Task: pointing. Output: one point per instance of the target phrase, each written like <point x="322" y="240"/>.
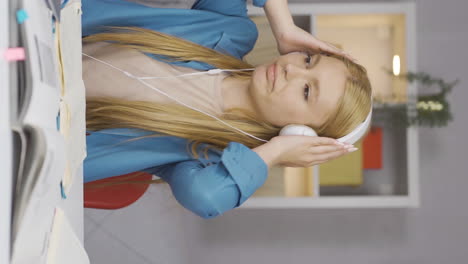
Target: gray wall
<point x="437" y="232"/>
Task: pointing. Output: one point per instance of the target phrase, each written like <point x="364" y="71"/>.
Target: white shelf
<point x="5" y="139"/>
<point x="331" y="202"/>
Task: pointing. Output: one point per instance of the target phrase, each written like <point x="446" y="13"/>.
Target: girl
<point x="132" y="128"/>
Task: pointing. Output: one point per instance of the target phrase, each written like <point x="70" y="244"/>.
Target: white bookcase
<point x="396" y="184"/>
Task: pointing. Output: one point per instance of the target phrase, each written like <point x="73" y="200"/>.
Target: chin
<point x="259" y="76"/>
<point x="254" y="82"/>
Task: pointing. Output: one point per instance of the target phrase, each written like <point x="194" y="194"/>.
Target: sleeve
<point x="211" y="190"/>
<point x="226" y="7"/>
<point x="233" y="34"/>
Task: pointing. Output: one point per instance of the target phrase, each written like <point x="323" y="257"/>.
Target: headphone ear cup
<point x="298" y="130"/>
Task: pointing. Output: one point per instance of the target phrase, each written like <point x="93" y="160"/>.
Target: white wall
<point x="435" y="233"/>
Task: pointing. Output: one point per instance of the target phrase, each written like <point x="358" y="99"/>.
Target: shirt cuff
<point x="246" y="167"/>
<point x="259" y="3"/>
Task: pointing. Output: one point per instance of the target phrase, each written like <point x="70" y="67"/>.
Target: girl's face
<point x="298" y="89"/>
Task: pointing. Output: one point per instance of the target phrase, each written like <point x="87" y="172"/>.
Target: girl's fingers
<point x="326" y="149"/>
<point x="331" y="155"/>
<point x="329" y="49"/>
<point x="332" y="49"/>
<point x="347" y="55"/>
<point x="317" y="141"/>
<point x="350" y="57"/>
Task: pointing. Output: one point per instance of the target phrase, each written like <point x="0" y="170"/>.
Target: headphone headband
<point x="359" y="131"/>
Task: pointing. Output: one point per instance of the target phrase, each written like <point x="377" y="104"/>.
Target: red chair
<point x="116" y="192"/>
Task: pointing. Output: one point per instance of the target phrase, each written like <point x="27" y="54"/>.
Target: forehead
<point x="327" y="61"/>
<point x="332" y="74"/>
<point x="332" y="71"/>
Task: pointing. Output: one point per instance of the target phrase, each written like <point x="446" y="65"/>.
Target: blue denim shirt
<point x="207" y="186"/>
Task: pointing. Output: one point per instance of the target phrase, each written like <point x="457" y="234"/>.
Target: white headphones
<point x="350" y="138"/>
<point x="291" y="129"/>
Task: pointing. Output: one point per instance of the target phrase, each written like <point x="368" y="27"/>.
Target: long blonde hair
<point x="180" y="121"/>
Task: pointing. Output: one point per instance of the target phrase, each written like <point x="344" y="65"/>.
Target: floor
<point x="154" y="229"/>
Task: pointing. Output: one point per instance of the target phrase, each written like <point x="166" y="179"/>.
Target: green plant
<point x="429" y="109"/>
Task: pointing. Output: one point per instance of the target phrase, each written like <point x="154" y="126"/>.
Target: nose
<point x="293" y="71"/>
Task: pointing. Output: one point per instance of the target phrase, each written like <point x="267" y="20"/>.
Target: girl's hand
<point x="290" y="37"/>
<point x="306" y="151"/>
<point x="296" y="39"/>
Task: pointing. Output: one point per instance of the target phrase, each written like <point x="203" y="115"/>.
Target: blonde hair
<point x="198" y="128"/>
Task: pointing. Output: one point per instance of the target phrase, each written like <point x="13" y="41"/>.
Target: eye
<point x="306" y="92"/>
<point x="308" y="59"/>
